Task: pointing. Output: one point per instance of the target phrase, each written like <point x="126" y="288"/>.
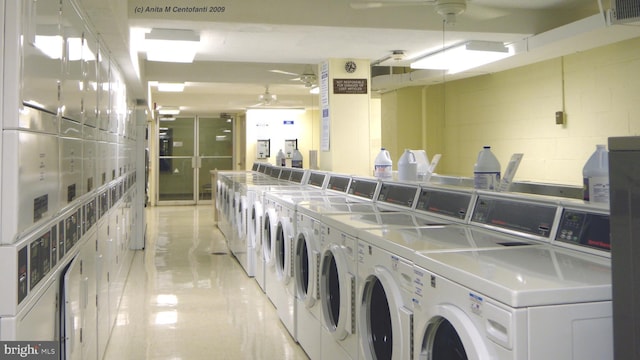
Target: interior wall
<point x="402" y="125"/>
<point x="514" y="111"/>
<point x="269" y="124"/>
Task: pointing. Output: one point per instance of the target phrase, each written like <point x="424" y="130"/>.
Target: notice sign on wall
<point x="350" y="86"/>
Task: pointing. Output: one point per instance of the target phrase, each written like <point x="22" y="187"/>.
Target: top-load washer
<point x="338" y="275"/>
<point x="280" y="287"/>
<point x="548" y="301"/>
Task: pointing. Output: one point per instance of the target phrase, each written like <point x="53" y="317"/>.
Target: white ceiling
<point x="240" y="46"/>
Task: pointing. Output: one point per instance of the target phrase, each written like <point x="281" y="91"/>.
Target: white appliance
<point x="280" y="278"/>
<point x="338" y="276"/>
<point x="384" y="299"/>
<point x="306" y="261"/>
<point x="547" y="301"/>
<point x="30" y="182"/>
<point x="384" y="307"/>
<point x="247" y="212"/>
<point x="71" y="162"/>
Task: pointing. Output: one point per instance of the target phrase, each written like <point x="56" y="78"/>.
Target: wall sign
<point x="350" y="86"/>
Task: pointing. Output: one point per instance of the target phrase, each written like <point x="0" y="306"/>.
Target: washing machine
<point x="548" y="301"/>
<point x="280" y="277"/>
<point x="307" y="251"/>
<point x="338" y="275"/>
<point x="248" y="190"/>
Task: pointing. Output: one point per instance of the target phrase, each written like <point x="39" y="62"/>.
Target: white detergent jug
<point x="382" y="165"/>
<point x="407" y="166"/>
<point x="296" y="159"/>
<point x="280" y="158"/>
<point x="423" y="163"/>
<point x="595" y="174"/>
<point x="486" y="171"/>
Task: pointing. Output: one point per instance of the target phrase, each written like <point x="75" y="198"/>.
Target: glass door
<point x="176" y="151"/>
<point x="215" y="149"/>
<point x="189" y="148"/>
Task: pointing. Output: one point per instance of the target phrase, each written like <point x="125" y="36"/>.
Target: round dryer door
<point x="336" y="285"/>
<point x="284" y="249"/>
<point x="450" y="334"/>
<point x="305" y="273"/>
<point x="384" y="322"/>
<point x="268" y="236"/>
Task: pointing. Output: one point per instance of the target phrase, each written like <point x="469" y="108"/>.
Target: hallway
<point x="187" y="298"/>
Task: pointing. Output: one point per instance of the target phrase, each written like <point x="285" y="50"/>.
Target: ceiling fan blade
<point x="284" y="72"/>
<point x="481" y="12"/>
<point x="381" y="4"/>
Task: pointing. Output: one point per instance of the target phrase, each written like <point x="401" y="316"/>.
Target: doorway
<point x="188" y="149"/>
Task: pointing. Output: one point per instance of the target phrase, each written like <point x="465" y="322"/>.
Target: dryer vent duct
<point x="625" y="12"/>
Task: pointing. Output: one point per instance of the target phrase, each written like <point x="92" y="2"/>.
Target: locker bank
<point x="245" y="211"/>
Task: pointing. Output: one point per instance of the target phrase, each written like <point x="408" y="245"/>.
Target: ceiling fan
<point x="266" y="98"/>
<point x="448" y="9"/>
<point x="307" y="77"/>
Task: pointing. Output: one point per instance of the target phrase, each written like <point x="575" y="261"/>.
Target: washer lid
<point x="526" y="276"/>
<point x="451" y="237"/>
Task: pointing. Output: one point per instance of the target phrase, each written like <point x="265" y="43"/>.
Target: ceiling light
<point x="464" y="56"/>
<point x="315" y="90"/>
<point x="167" y="110"/>
<point x="171" y="45"/>
<point x="171" y="87"/>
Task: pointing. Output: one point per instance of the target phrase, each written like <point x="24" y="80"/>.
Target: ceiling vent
<point x="625" y="12"/>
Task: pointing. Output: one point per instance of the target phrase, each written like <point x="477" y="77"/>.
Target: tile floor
<point x="186" y="298"/>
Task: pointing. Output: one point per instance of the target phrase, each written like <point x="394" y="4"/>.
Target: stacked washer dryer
<point x="546" y="301"/>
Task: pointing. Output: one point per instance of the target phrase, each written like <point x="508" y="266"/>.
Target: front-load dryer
<point x="307" y="251"/>
<point x="535" y="302"/>
<point x="384" y="304"/>
<point x="527" y="302"/>
<point x="315" y="181"/>
<point x="338" y="276"/>
<point x="281" y="288"/>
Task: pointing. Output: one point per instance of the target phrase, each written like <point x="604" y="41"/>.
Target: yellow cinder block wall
<point x="514" y="111"/>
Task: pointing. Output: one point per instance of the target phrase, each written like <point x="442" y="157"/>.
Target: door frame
<point x="196" y="161"/>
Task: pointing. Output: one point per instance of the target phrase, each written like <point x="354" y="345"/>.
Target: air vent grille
<point x="625" y="11"/>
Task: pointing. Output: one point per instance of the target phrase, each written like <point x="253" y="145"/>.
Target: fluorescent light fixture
<point x="171" y="87"/>
<point x="171" y="45"/>
<point x="167" y="110"/>
<point x="463" y="57"/>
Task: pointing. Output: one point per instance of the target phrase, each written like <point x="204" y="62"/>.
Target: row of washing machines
<point x="359" y="268"/>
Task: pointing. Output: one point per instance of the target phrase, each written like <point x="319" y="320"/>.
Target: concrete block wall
<point x="514" y="111"/>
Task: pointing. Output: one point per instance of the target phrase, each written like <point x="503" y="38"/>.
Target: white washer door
<point x="450" y="334"/>
<point x="284" y="249"/>
<point x="336" y="286"/>
<point x="385" y="324"/>
<point x="306" y="268"/>
<point x="268" y="236"/>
